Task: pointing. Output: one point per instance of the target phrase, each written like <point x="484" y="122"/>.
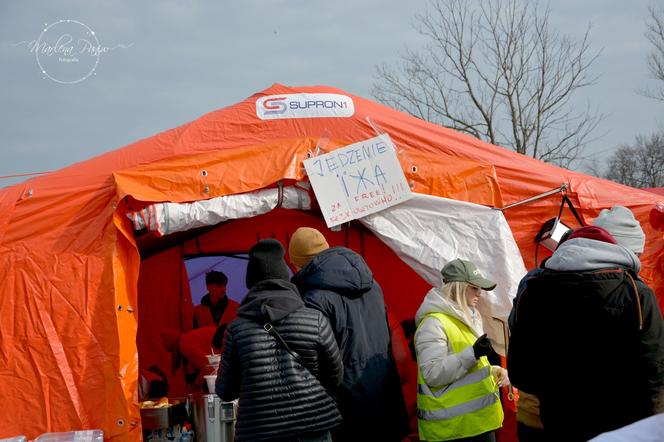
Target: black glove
<point x="482" y="347"/>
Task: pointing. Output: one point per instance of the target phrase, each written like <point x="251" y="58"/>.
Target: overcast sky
<point x="178" y="60"/>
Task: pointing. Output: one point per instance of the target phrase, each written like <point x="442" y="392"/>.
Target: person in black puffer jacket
<point x="338" y="282"/>
<point x="281" y="398"/>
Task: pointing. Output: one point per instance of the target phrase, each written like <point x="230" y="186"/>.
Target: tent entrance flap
<point x="166" y="297"/>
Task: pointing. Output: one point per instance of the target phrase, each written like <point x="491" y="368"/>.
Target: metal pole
<point x="562" y="189"/>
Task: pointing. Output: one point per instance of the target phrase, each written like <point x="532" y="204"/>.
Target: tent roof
<point x="166" y="167"/>
<point x="657" y="190"/>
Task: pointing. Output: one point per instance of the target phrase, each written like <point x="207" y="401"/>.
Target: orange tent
<point x="71" y="301"/>
<point x="657" y="190"/>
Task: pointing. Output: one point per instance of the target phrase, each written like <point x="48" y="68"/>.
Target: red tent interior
<point x="164" y="291"/>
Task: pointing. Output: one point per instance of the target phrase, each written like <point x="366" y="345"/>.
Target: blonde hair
<point x="455" y="292"/>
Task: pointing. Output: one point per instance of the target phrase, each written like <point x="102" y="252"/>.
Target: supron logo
<point x="274" y="106"/>
<point x="303" y="105"/>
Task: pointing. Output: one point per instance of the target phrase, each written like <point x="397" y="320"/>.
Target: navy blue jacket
<point x="338" y="283"/>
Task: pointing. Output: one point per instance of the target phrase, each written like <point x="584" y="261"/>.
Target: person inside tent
<point x="215" y="308"/>
<point x="337" y="282"/>
<point x="189" y="351"/>
<point x="152" y="384"/>
<point x="454" y="372"/>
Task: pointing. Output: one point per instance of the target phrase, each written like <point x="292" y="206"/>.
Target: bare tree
<point x="640" y="165"/>
<point x="496" y="70"/>
<point x="655" y="35"/>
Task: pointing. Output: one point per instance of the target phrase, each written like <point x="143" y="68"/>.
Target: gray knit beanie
<point x="619" y="221"/>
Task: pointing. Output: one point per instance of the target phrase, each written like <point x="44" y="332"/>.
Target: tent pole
<point x="562" y="189"/>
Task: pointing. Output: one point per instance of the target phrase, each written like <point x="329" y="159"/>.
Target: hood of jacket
<point x="435" y="302"/>
<point x="270" y="301"/>
<point x="336" y="269"/>
<point x="583" y="254"/>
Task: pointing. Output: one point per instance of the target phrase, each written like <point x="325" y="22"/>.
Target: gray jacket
<point x="437" y="361"/>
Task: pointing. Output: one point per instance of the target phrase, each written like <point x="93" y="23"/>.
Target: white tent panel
<point x="426" y="232"/>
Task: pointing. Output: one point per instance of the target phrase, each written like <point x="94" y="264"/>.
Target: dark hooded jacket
<point x="588" y="340"/>
<point x="279" y="398"/>
<point x="338" y="283"/>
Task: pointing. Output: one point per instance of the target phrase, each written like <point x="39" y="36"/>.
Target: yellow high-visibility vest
<point x="466" y="407"/>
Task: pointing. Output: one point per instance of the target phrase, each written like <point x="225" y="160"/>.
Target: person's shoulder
<point x="429" y="326"/>
<point x="647" y="294"/>
<point x="240" y="323"/>
<point x="318" y="294"/>
<point x="533" y="273"/>
<point x="640" y="283"/>
<point x="307" y="312"/>
<point x="307" y="315"/>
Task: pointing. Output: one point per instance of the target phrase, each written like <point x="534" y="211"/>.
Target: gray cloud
<point x="188" y="59"/>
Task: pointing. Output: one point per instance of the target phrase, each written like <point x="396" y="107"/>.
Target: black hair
<point x="214" y="277"/>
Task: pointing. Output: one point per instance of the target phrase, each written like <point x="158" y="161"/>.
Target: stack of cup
<point x="211" y="379"/>
<point x="214" y="359"/>
<point x="211" y="369"/>
<point x="213" y="363"/>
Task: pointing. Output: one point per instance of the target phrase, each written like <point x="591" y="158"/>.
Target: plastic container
<point x="72" y="436"/>
<point x="214" y="420"/>
<point x="210" y="369"/>
<point x="214" y="359"/>
<point x="210" y="379"/>
<point x="155" y="418"/>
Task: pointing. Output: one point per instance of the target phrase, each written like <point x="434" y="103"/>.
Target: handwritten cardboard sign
<point x="357" y="180"/>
